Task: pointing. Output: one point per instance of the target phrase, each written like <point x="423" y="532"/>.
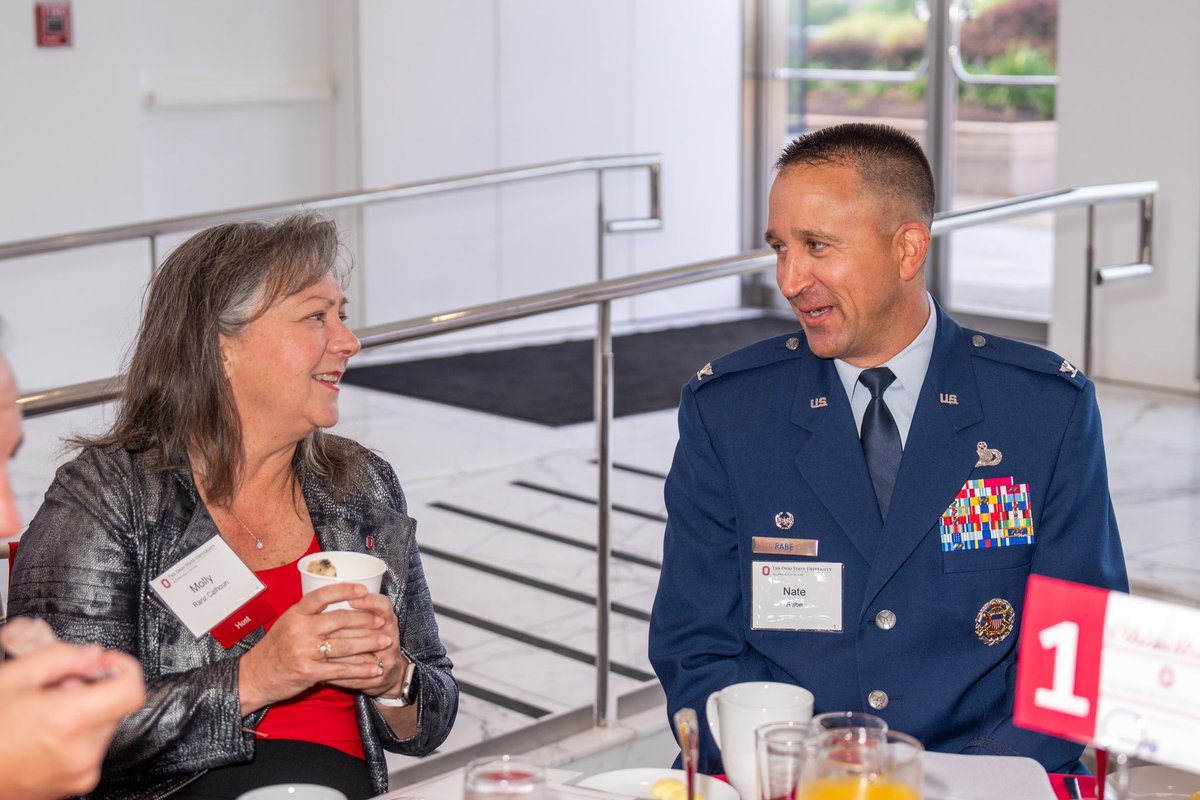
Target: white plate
<point x="1157" y="782"/>
<point x="638" y="782"/>
<point x="293" y="791"/>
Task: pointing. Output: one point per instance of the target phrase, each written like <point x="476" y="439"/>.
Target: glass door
<point x="973" y="80"/>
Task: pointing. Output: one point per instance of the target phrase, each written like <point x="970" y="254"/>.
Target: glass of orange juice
<point x="862" y="764"/>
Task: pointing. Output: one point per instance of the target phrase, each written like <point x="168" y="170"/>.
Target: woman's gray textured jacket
<point x="109" y="525"/>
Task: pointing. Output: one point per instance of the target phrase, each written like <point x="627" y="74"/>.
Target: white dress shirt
<point x="909" y="366"/>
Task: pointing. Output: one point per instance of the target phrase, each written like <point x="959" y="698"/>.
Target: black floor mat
<point x="552" y="384"/>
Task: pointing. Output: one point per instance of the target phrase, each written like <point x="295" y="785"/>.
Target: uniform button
<point x="792" y="343"/>
<point x="878" y="699"/>
<point x="885" y="619"/>
<point x="978" y="340"/>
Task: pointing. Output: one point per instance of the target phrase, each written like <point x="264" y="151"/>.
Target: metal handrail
<point x="946" y="221"/>
<point x="1088" y="197"/>
<point x="325" y="202"/>
<point x="79" y="395"/>
<point x="602" y="293"/>
<point x="98" y="391"/>
<point x="846" y="75"/>
<point x="981" y="79"/>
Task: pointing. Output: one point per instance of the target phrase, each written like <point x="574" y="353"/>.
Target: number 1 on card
<point x="1063" y="639"/>
<point x="1058" y="668"/>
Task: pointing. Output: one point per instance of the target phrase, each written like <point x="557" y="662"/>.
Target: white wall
<point x="1129" y="109"/>
<point x="69" y="160"/>
<point x="163" y="109"/>
<point x="158" y="109"/>
<point x="463" y="85"/>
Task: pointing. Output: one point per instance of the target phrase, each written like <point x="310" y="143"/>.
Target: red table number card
<point x="1119" y="671"/>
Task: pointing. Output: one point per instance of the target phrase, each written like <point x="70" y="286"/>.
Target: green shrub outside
<point x="1006" y="37"/>
<point x="1017" y="60"/>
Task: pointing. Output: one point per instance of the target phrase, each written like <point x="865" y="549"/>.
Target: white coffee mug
<point x="736" y="711"/>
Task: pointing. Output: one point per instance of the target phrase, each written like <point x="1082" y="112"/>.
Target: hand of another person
<point x="306" y="647"/>
<point x="388" y="662"/>
<point x="24" y="635"/>
<point x="59" y="708"/>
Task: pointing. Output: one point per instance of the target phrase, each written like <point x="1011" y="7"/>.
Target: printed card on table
<point x="1119" y="671"/>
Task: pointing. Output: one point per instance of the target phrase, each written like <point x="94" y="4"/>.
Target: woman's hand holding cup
<point x="308" y="645"/>
<point x="389" y="662"/>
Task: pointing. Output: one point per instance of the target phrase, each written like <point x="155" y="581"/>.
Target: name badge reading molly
<point x="206" y="586"/>
<point x="796" y="596"/>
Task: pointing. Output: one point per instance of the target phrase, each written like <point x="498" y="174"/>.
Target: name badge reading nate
<point x="796" y="596"/>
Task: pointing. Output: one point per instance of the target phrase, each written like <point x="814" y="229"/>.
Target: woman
<point x="234" y="374"/>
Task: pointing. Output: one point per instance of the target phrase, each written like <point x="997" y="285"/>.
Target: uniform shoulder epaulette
<point x="759" y="354"/>
<point x="1028" y="356"/>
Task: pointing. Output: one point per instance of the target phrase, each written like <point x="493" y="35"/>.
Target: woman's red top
<point x="323" y="714"/>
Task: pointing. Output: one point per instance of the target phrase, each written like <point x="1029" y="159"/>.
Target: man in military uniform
<point x="856" y="508"/>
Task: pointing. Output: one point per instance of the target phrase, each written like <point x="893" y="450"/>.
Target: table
<point x="947" y="777"/>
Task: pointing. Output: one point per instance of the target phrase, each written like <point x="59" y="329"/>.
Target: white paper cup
<point x="293" y="791"/>
<point x="351" y="568"/>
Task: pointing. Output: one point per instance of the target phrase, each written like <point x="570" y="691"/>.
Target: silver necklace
<point x="258" y="543"/>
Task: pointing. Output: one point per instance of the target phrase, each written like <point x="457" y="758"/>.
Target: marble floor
<point x="507" y="529"/>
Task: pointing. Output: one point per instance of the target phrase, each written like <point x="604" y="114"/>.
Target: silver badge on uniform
<point x="784" y="520"/>
<point x="988" y="456"/>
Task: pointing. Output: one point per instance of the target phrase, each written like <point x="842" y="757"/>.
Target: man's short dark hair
<point x="890" y="163"/>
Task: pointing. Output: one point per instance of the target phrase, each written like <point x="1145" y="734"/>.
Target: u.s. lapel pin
<point x="995" y="621"/>
<point x="1069" y="368"/>
<point x="988" y="456"/>
<point x="948" y="399"/>
<point x="818" y="402"/>
<point x="705" y="370"/>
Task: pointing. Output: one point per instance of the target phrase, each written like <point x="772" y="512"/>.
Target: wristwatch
<point x="407" y="689"/>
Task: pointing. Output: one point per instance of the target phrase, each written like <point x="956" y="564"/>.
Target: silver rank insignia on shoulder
<point x="1067" y="367"/>
<point x="948" y="399"/>
<point x="988" y="456"/>
<point x="994" y="622"/>
<point x="784" y="520"/>
<point x="818" y="402"/>
<point x="705" y="370"/>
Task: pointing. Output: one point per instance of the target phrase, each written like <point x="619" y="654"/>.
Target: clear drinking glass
<point x="831" y="720"/>
<point x="862" y="764"/>
<point x="497" y="777"/>
<point x="780" y="752"/>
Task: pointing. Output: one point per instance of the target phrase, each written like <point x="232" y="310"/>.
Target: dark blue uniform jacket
<point x="755" y="441"/>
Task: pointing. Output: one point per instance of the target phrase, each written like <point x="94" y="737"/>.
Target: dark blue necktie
<point x="880" y="436"/>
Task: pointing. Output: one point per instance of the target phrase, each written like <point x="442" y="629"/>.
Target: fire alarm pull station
<point x="53" y="24"/>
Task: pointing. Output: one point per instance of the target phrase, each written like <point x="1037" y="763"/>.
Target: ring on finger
<point x="379" y="663"/>
<point x="325" y="648"/>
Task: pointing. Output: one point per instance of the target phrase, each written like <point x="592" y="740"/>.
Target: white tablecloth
<point x="947" y="777"/>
